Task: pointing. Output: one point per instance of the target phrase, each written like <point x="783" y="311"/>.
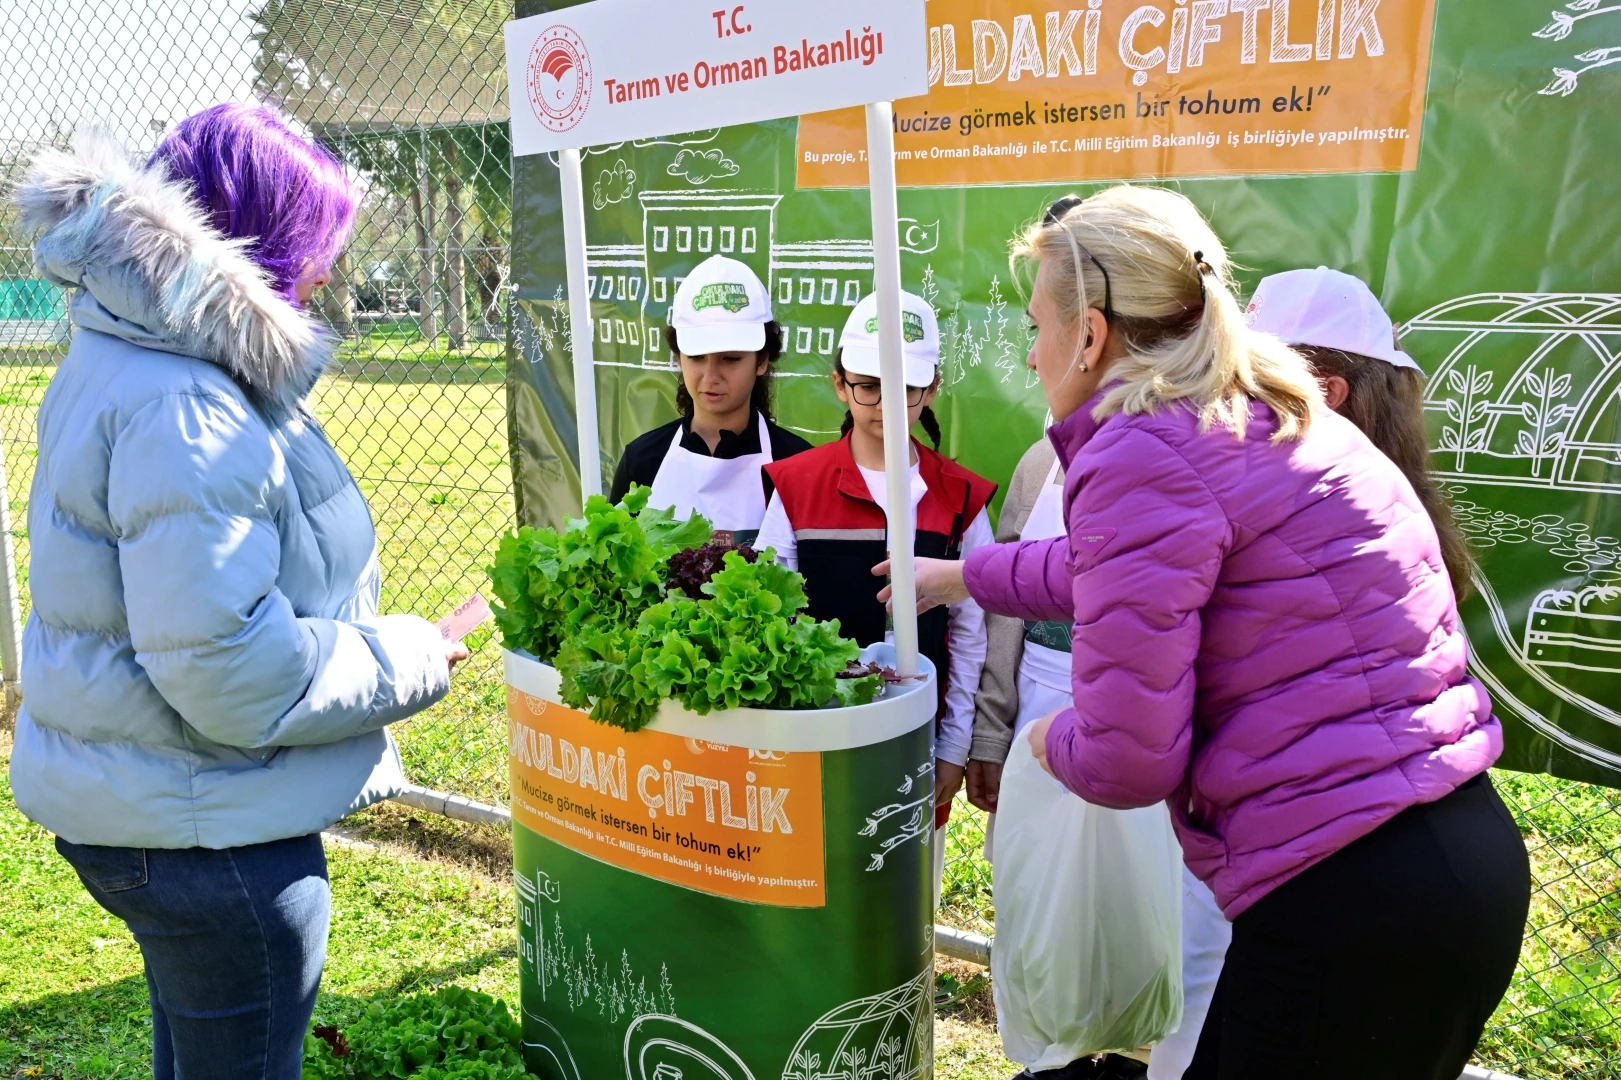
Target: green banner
<point x="1461" y="158"/>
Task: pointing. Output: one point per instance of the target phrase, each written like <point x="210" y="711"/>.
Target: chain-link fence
<point x="411" y="93"/>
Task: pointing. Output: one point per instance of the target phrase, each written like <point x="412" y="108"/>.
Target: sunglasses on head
<point x="1055" y="216"/>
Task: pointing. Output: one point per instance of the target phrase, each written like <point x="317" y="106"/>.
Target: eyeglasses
<point x="871" y="393"/>
<point x="1055" y="216"/>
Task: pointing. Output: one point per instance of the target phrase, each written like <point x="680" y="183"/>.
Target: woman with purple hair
<point x="207" y="677"/>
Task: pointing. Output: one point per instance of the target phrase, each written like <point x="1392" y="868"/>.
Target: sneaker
<point x="1106" y="1067"/>
<point x="1120" y="1067"/>
<point x="1080" y="1069"/>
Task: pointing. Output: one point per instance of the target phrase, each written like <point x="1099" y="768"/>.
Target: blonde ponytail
<point x="1173" y="304"/>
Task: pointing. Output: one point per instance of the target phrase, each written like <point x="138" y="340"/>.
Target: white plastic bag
<point x="1088" y="949"/>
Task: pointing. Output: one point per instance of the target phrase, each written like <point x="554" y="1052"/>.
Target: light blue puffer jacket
<point x="204" y="665"/>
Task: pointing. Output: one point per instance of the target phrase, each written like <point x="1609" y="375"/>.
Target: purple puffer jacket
<point x="1265" y="635"/>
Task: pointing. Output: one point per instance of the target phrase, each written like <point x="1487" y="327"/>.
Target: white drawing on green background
<point x="963" y="347"/>
<point x="614" y="185"/>
<point x="1545" y="413"/>
<point x="918" y="237"/>
<point x="1578" y="628"/>
<point x="669" y="1048"/>
<point x="904" y="821"/>
<point x="1467" y="411"/>
<point x="551" y="1045"/>
<point x="813" y="284"/>
<point x="1502" y="696"/>
<point x="535" y="337"/>
<point x="1560" y="26"/>
<point x="1524" y="429"/>
<point x="586" y="980"/>
<point x="887" y="1036"/>
<point x="698" y="167"/>
<point x="1525" y="391"/>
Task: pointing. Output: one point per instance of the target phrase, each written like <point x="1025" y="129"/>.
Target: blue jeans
<point x="233" y="941"/>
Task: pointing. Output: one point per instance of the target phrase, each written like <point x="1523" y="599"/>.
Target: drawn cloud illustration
<point x="614" y="185"/>
<point x="699" y="167"/>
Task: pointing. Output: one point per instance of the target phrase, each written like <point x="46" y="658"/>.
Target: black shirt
<point x="641" y="460"/>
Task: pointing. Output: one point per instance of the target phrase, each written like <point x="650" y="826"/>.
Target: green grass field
<point x="415" y="905"/>
<point x="425" y="435"/>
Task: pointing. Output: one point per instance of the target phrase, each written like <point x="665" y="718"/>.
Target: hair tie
<point x="1202" y="268"/>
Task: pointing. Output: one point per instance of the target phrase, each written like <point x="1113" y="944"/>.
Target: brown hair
<point x="760" y="399"/>
<point x="930" y="425"/>
<point x="1387" y="403"/>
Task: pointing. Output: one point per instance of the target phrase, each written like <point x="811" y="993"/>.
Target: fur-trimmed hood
<point x="156" y="272"/>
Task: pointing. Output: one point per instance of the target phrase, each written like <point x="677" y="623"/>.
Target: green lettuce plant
<point x="594" y="599"/>
<point x="450" y="1034"/>
<point x="603" y="569"/>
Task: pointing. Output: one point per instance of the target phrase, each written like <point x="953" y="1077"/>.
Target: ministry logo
<point x="559" y="78"/>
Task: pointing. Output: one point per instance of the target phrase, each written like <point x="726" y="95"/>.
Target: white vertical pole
<point x="10" y="616"/>
<point x="581" y="331"/>
<point x="897" y="432"/>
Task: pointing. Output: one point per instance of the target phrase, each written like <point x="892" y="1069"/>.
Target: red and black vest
<point x="840" y="533"/>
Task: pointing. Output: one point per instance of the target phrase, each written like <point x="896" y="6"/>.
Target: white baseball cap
<point x="721" y="307"/>
<point x="1328" y="309"/>
<point x="920" y="339"/>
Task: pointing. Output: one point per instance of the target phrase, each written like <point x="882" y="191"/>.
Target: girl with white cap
<point x="1336" y="323"/>
<point x="708" y="460"/>
<point x="826" y="519"/>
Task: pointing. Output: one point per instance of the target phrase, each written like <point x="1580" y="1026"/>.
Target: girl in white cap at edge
<point x="723" y="337"/>
<point x="826" y="520"/>
<point x="1339" y="326"/>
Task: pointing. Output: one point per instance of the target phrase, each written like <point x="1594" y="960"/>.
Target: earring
<point x="1084" y="368"/>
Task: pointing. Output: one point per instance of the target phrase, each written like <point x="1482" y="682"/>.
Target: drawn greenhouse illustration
<point x="887" y="1036"/>
<point x="1524" y="406"/>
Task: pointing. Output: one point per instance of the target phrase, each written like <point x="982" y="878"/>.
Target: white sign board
<point x="617" y="70"/>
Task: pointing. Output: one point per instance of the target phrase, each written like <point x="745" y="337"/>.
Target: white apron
<point x="1044" y="672"/>
<point x="727" y="491"/>
<point x="1043" y="677"/>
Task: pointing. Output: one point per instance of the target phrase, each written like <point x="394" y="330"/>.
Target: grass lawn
<point x="73" y="1001"/>
<point x="416" y="905"/>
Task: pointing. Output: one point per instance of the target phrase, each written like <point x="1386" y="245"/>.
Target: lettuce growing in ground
<point x="451" y="1033"/>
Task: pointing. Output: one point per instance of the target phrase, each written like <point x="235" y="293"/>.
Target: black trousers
<point x="1382" y="962"/>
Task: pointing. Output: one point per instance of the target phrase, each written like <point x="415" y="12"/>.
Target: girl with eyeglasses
<point x="826" y="519"/>
<point x="1265" y="636"/>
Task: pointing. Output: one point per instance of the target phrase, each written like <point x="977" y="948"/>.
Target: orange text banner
<point x="719" y="819"/>
<point x="1115" y="89"/>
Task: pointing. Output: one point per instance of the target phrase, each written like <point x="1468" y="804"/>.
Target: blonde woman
<point x="1265" y="635"/>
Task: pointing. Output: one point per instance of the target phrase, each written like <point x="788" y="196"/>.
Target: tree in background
<point x="411" y="94"/>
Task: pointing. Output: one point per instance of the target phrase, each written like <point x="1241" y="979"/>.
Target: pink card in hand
<point x="465" y="619"/>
